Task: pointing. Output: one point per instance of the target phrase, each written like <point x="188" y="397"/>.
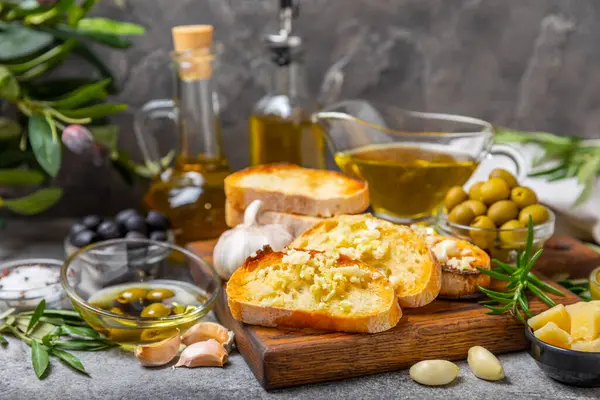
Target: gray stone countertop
<point x="115" y="374"/>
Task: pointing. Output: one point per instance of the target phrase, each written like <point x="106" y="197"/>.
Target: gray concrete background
<point x="527" y="64"/>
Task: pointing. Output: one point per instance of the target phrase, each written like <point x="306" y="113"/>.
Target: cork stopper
<point x="192" y="44"/>
<point x="188" y="37"/>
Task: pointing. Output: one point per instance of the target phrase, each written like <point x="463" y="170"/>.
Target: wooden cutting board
<point x="444" y="329"/>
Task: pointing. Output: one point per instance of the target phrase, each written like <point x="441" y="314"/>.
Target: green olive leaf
<point x="39" y="358"/>
<point x="70" y="360"/>
<point x="95" y="111"/>
<point x="82" y="331"/>
<point x="47" y="151"/>
<point x="81" y="95"/>
<point x="17" y="42"/>
<point x="9" y="129"/>
<point x="20" y="177"/>
<point x="37" y="313"/>
<point x="64" y="5"/>
<point x="107" y="26"/>
<point x="9" y="87"/>
<point x="106" y="135"/>
<point x="3" y="341"/>
<point x="82" y="344"/>
<point x="35" y="202"/>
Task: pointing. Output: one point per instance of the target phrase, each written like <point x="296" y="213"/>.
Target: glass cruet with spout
<point x="190" y="192"/>
<point x="409" y="159"/>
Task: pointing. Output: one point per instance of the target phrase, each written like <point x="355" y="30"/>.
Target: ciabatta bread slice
<point x="459" y="260"/>
<point x="397" y="251"/>
<point x="295" y="224"/>
<point x="306" y="289"/>
<point x="295" y="190"/>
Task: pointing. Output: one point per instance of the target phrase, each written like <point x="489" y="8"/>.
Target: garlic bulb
<point x="203" y="331"/>
<point x="203" y="354"/>
<point x="237" y="244"/>
<point x="160" y="353"/>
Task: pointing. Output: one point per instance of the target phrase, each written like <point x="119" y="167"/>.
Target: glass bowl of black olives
<point x="108" y="284"/>
<point x="127" y="224"/>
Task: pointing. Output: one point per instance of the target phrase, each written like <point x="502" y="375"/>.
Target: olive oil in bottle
<point x="191" y="192"/>
<point x="280" y="128"/>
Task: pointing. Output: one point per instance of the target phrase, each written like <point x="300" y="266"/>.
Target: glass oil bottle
<point x="280" y="126"/>
<point x="190" y="192"/>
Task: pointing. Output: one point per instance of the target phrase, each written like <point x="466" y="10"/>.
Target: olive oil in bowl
<point x="153" y="310"/>
<point x="407" y="181"/>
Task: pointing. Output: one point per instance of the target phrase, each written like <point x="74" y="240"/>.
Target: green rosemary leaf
<point x="542" y="296"/>
<point x="518" y="315"/>
<point x="544" y="286"/>
<point x="497" y="310"/>
<point x="528" y="243"/>
<point x="70" y="360"/>
<point x="39" y="358"/>
<point x="506" y="267"/>
<point x="37" y="313"/>
<point x="525" y="307"/>
<point x="494" y="274"/>
<point x="496" y="294"/>
<point x="488" y="302"/>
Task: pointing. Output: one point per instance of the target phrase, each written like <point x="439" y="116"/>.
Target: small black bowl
<point x="572" y="367"/>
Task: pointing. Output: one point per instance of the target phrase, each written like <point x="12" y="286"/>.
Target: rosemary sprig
<point x="520" y="281"/>
<point x="50" y="333"/>
<point x="564" y="157"/>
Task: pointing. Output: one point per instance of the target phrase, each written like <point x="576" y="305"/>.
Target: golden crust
<point x="292" y="189"/>
<point x="385" y="317"/>
<point x="404" y="245"/>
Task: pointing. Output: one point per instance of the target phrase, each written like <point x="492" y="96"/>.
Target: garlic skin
<point x="159" y="353"/>
<point x="204" y="331"/>
<point x="203" y="354"/>
<point x="237" y="244"/>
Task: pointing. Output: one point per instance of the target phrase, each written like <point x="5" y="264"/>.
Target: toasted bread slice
<point x="397" y="251"/>
<point x="295" y="224"/>
<point x="314" y="290"/>
<point x="459" y="260"/>
<point x="295" y="190"/>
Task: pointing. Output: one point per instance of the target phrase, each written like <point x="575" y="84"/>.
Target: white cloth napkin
<point x="582" y="221"/>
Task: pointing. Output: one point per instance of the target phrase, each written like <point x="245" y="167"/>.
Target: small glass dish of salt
<point x="24" y="283"/>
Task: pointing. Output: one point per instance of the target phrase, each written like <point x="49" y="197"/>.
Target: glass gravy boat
<point x="409" y="159"/>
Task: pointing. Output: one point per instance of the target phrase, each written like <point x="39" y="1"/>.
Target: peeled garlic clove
<point x="203" y="354"/>
<point x="159" y="353"/>
<point x="434" y="372"/>
<point x="203" y="331"/>
<point x="484" y="364"/>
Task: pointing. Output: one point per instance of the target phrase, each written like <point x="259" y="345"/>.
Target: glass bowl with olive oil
<point x="129" y="307"/>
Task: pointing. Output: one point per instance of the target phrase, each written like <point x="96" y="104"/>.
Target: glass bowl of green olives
<point x="108" y="285"/>
<point x="494" y="215"/>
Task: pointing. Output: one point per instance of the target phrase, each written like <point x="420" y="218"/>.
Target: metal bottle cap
<point x="284" y="46"/>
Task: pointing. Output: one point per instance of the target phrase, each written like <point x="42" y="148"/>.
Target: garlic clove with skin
<point x="159" y="353"/>
<point x="203" y="331"/>
<point x="203" y="354"/>
<point x="237" y="244"/>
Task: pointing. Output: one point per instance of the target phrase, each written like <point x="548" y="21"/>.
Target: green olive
<point x="502" y="211"/>
<point x="116" y="310"/>
<point x="461" y="214"/>
<point x="509" y="178"/>
<point x="155" y="310"/>
<point x="538" y="213"/>
<point x="177" y="308"/>
<point x="494" y="190"/>
<point x="477" y="206"/>
<point x="130" y="295"/>
<point x="159" y="294"/>
<point x="511" y="238"/>
<point x="485" y="235"/>
<point x="475" y="191"/>
<point x="523" y="196"/>
<point x="454" y="197"/>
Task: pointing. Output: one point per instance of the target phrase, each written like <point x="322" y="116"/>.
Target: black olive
<point x="76" y="228"/>
<point x="159" y="236"/>
<point x="157" y="221"/>
<point x="91" y="222"/>
<point x="83" y="238"/>
<point x="122" y="216"/>
<point x="108" y="230"/>
<point x="135" y="235"/>
<point x="135" y="223"/>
